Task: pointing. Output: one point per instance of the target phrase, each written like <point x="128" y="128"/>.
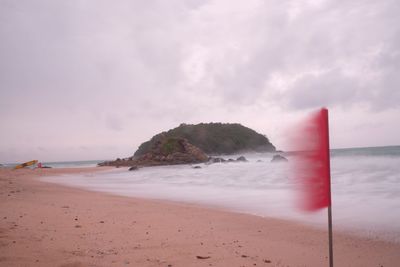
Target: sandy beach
<point x="44" y="224"/>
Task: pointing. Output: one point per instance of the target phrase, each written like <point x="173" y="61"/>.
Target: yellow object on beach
<point x="26" y="164"/>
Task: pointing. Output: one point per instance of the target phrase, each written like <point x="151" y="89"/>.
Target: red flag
<point x="312" y="164"/>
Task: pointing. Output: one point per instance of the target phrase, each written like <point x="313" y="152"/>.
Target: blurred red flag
<point x="312" y="164"/>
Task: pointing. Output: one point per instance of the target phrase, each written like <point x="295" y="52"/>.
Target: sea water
<point x="61" y="164"/>
<point x="365" y="188"/>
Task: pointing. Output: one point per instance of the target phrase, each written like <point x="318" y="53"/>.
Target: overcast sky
<point x="94" y="79"/>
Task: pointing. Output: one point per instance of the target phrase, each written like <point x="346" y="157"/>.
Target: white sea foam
<point x="365" y="189"/>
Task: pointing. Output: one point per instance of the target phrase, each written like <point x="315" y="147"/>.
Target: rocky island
<point x="195" y="143"/>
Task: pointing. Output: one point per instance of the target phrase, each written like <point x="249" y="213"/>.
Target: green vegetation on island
<point x="213" y="139"/>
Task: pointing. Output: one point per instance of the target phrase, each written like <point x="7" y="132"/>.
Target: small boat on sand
<point x="26" y="164"/>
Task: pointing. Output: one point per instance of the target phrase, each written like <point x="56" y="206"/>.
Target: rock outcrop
<point x="212" y="160"/>
<point x="241" y="158"/>
<point x="166" y="151"/>
<point x="279" y="158"/>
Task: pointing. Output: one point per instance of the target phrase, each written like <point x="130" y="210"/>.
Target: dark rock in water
<point x="241" y="158"/>
<point x="216" y="160"/>
<point x="196" y="167"/>
<point x="133" y="168"/>
<point x="222" y="160"/>
<point x="259" y="160"/>
<point x="279" y="158"/>
<point x="46" y="167"/>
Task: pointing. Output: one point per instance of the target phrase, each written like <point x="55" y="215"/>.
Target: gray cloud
<point x="349" y="37"/>
<point x="94" y="73"/>
<point x="326" y="89"/>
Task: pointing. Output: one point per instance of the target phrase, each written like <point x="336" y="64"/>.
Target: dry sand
<point x="44" y="224"/>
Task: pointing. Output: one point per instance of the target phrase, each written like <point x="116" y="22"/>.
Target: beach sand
<point x="44" y="224"/>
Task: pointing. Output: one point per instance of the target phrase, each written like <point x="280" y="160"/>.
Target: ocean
<point x="365" y="188"/>
<point x="62" y="164"/>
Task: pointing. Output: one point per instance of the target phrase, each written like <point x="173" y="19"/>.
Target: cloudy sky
<point x="94" y="79"/>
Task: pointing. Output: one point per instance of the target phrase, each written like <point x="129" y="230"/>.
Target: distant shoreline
<point x="71" y="162"/>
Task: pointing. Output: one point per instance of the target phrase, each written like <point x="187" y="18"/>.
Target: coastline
<point x="46" y="224"/>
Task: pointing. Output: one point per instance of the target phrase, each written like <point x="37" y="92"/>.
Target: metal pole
<point x="330" y="193"/>
<point x="330" y="236"/>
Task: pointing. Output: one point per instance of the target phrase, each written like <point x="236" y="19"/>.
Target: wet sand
<point x="45" y="224"/>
